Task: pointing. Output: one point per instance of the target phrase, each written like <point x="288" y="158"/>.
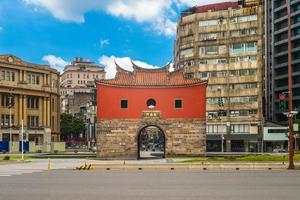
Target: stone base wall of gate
<point x="118" y="138"/>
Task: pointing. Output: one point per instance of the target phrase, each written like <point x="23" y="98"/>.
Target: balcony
<point x="234" y="79"/>
<point x="233" y="106"/>
<point x="232" y="92"/>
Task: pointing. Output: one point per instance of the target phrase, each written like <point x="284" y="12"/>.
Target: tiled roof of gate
<point x="158" y="77"/>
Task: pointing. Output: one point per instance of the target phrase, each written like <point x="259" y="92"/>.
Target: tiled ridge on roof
<point x="157" y="77"/>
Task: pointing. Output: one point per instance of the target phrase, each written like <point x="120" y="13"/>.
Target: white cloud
<point x="1" y="28"/>
<point x="55" y="62"/>
<point x="104" y="42"/>
<point x="155" y="12"/>
<point x="124" y="62"/>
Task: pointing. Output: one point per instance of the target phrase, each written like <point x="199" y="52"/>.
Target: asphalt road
<point x="140" y="185"/>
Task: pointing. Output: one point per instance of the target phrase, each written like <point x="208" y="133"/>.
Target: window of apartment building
<point x="216" y="128"/>
<point x="212" y="22"/>
<point x="204" y="75"/>
<point x="189" y="75"/>
<point x="187" y="38"/>
<point x="70" y="75"/>
<point x="213" y="74"/>
<point x="209" y="50"/>
<point x="84" y="75"/>
<point x="239" y="128"/>
<point x="87" y="76"/>
<point x="33" y="79"/>
<point x="67" y="75"/>
<point x="237" y="113"/>
<point x="178" y="103"/>
<point x="78" y="76"/>
<point x="124" y="103"/>
<point x="212" y="36"/>
<point x="218" y="74"/>
<point x="242" y="19"/>
<point x="243" y="86"/>
<point x="213" y="61"/>
<point x="212" y="50"/>
<point x="215" y="87"/>
<point x="237" y="48"/>
<point x="296" y="31"/>
<point x="5" y="121"/>
<point x="186" y="53"/>
<point x="186" y="26"/>
<point x="215" y="100"/>
<point x="296" y="20"/>
<point x="242" y="59"/>
<point x="243" y="32"/>
<point x="32" y="102"/>
<point x="32" y="121"/>
<point x="7" y="75"/>
<point x="216" y="114"/>
<point x="188" y="63"/>
<point x="245" y="99"/>
<point x="242" y="72"/>
<point x="295" y="7"/>
<point x="7" y="100"/>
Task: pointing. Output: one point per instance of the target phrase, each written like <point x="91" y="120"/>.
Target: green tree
<point x="70" y="125"/>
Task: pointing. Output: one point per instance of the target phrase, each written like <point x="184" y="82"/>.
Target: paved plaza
<point x="144" y="184"/>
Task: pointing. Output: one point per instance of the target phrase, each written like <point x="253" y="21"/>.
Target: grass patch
<point x="250" y="158"/>
<point x="7" y="158"/>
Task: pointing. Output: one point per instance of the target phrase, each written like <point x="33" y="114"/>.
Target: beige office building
<point x="29" y="92"/>
<point x="222" y="43"/>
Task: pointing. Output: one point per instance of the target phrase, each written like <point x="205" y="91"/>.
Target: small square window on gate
<point x="178" y="103"/>
<point x="124" y="103"/>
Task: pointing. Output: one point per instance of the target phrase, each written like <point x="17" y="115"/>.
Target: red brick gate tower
<point x="178" y="109"/>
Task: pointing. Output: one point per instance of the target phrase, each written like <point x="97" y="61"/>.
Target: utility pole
<point x="290" y="94"/>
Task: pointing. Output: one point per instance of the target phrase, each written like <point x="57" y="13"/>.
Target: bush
<point x="231" y="158"/>
<point x="76" y="151"/>
<point x="6" y="158"/>
<point x="55" y="151"/>
<point x="39" y="151"/>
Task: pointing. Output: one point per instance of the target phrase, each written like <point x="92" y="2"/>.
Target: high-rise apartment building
<point x="222" y="43"/>
<point x="276" y="19"/>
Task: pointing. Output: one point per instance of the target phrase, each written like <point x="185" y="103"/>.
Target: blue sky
<point x="55" y="31"/>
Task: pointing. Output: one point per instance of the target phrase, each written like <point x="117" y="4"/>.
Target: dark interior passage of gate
<point x="151" y="143"/>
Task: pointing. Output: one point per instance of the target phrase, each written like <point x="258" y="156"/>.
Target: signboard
<point x="151" y="114"/>
<point x="296" y="127"/>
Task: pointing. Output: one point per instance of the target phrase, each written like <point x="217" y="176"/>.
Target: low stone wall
<point x="118" y="138"/>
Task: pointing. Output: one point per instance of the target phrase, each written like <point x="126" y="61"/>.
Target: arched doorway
<point x="151" y="143"/>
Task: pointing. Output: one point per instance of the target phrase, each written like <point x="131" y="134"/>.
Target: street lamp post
<point x="10" y="104"/>
<point x="290" y="95"/>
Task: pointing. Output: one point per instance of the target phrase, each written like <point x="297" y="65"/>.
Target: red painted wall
<point x="108" y="102"/>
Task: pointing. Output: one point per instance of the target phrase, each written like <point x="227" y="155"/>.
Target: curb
<point x="201" y="167"/>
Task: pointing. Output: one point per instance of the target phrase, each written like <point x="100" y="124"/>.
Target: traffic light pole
<point x="290" y="95"/>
